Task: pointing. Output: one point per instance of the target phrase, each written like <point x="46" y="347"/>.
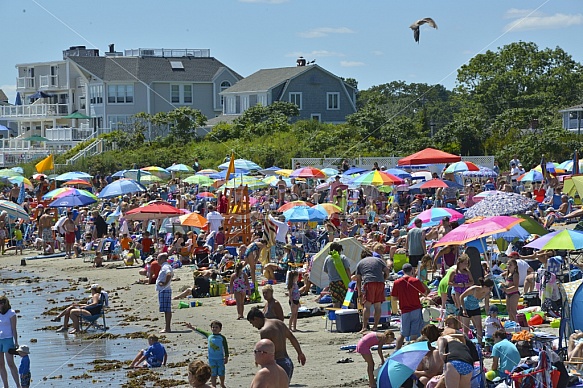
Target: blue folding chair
<point x="93" y="320"/>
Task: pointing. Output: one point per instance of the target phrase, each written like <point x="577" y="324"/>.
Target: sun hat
<point x="24" y="349"/>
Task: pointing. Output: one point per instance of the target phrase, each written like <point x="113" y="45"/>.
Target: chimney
<point x="112" y="48"/>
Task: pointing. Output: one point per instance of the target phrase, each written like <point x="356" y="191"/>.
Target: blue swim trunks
<point x="217" y="366"/>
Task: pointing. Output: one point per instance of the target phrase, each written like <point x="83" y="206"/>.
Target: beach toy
<point x="491" y="375"/>
<point x="195" y="303"/>
<point x="535" y="320"/>
<point x="556" y="323"/>
<point x="183" y="305"/>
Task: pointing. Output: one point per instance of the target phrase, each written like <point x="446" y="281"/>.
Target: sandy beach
<point x="133" y="312"/>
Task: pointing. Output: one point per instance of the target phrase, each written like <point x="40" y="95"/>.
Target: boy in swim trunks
<point x="218" y="351"/>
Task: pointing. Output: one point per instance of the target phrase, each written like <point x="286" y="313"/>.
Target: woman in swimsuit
<point x="368" y="341"/>
<point x="459" y="363"/>
<point x="76" y="310"/>
<point x="272" y="308"/>
<point x="461" y="279"/>
<point x="471" y="306"/>
<point x="239" y="286"/>
<point x="511" y="289"/>
<point x="252" y="255"/>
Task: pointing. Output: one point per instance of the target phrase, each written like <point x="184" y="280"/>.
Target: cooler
<point x="347" y="321"/>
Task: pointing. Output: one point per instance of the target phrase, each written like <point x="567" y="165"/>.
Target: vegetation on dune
<point x="505" y="102"/>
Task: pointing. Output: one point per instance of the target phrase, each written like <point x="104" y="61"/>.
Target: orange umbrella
<point x="289" y="205"/>
<point x="329" y="208"/>
<point x="193" y="219"/>
<point x="77" y="182"/>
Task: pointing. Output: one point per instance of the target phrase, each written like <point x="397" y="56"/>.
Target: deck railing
<point x="34" y="110"/>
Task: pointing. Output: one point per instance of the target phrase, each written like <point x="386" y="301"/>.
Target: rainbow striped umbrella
<point x="13" y="210"/>
<point x="376" y="178"/>
<point x="19" y="179"/>
<point x="69" y="192"/>
<point x="157" y="171"/>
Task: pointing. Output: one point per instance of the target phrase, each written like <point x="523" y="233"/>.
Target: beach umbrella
<point x="434" y="215"/>
<point x="180" y="168"/>
<point x="73" y="199"/>
<point x="223" y="174"/>
<point x="284" y="172"/>
<point x="149" y="179"/>
<point x="40" y="94"/>
<point x="398" y="172"/>
<point x="19" y="179"/>
<point x="8" y="172"/>
<point x="328" y="208"/>
<point x="376" y="178"/>
<point x="72" y="175"/>
<point x="201" y="180"/>
<point x="461" y="167"/>
<point x="289" y="205"/>
<point x="157" y="171"/>
<point x="304" y="214"/>
<point x="206" y="171"/>
<point x="18" y="170"/>
<point x="401" y="365"/>
<point x="54" y="193"/>
<point x="531" y="225"/>
<point x="113" y="217"/>
<point x="131" y="174"/>
<point x="355" y="170"/>
<point x="193" y="219"/>
<point x="567" y="165"/>
<point x="434" y="184"/>
<point x="252" y="182"/>
<point x="76" y="182"/>
<point x="531" y="176"/>
<point x="272" y="180"/>
<point x="154" y="210"/>
<point x="205" y="194"/>
<point x="18" y="99"/>
<point x="242" y="164"/>
<point x="13" y="210"/>
<point x="516" y="232"/>
<point x="270" y="171"/>
<point x="121" y="187"/>
<point x="428" y="156"/>
<point x="330" y="171"/>
<point x="551" y="167"/>
<point x="471" y="231"/>
<point x="37" y="176"/>
<point x="483" y="172"/>
<point x="562" y="239"/>
<point x="501" y="204"/>
<point x="308" y="172"/>
<point x="485" y="194"/>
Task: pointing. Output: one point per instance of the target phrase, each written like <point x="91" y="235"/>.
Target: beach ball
<point x="491" y="375"/>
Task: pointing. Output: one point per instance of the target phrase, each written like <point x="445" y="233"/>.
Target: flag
<point x="21" y="194"/>
<point x="270" y="230"/>
<point x="231" y="169"/>
<point x="47" y="163"/>
<point x="576" y="162"/>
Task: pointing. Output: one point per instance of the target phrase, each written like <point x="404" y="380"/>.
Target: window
<point x="96" y="94"/>
<point x="316" y="117"/>
<point x="118" y="121"/>
<point x="262" y="99"/>
<point x="333" y="101"/>
<point x="120" y="94"/>
<point x="176" y="65"/>
<point x="181" y="94"/>
<point x="224" y="85"/>
<point x="296" y="98"/>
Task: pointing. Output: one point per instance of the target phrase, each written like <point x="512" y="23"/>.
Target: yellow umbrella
<point x="328" y="208"/>
<point x="284" y="172"/>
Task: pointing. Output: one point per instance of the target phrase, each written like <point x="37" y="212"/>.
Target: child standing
<point x="491" y="324"/>
<point x="366" y="343"/>
<point x="218" y="351"/>
<point x="153" y="357"/>
<point x="294" y="299"/>
<point x="24" y="368"/>
<point x="424" y="268"/>
<point x="18" y="239"/>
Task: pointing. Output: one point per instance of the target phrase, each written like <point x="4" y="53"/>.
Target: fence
<point x="387" y="161"/>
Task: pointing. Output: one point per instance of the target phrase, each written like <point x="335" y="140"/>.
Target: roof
<point x="572" y="108"/>
<point x="151" y="69"/>
<point x="3" y="96"/>
<point x="266" y="79"/>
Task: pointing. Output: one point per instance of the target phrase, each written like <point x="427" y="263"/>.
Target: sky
<point x="368" y="40"/>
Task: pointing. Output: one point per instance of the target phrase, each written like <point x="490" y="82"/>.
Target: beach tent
<point x="351" y="248"/>
<point x="572" y="297"/>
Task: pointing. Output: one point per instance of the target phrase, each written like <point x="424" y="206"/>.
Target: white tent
<point x="352" y="249"/>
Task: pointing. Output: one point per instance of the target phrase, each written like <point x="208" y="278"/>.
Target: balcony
<point x="49" y="81"/>
<point x="68" y="134"/>
<point x="25" y="83"/>
<point x="34" y="110"/>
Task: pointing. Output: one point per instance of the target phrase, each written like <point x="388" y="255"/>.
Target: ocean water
<point x="56" y="358"/>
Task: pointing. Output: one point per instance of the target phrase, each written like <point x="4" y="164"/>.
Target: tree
<point x="182" y="121"/>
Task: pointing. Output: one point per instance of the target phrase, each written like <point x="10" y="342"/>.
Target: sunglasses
<point x="260" y="351"/>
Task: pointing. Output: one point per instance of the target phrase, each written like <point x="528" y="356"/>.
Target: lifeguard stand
<point x="237" y="222"/>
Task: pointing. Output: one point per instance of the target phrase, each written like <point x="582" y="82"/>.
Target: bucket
<point x="183" y="305"/>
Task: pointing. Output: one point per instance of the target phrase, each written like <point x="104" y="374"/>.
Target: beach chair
<point x="94" y="320"/>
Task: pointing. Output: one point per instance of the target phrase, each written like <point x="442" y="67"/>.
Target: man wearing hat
<point x="406" y="291"/>
<point x="24" y="368"/>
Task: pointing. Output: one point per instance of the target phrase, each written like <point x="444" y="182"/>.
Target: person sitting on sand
<point x="150" y="271"/>
<point x="98" y="300"/>
<point x="198" y="374"/>
<point x="201" y="287"/>
<point x="153" y="357"/>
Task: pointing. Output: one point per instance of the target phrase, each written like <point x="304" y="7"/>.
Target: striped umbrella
<point x="180" y="168"/>
<point x="60" y="191"/>
<point x="8" y="172"/>
<point x="308" y="172"/>
<point x="328" y="208"/>
<point x="434" y="215"/>
<point x="76" y="182"/>
<point x="206" y="171"/>
<point x="461" y="167"/>
<point x="376" y="178"/>
<point x="157" y="171"/>
<point x="289" y="205"/>
<point x="201" y="180"/>
<point x="67" y="192"/>
<point x="13" y="210"/>
<point x="19" y="179"/>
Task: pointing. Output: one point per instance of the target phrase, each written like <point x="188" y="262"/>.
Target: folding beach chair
<point x="93" y="320"/>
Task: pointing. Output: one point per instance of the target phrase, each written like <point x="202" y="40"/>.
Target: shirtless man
<point x="69" y="228"/>
<point x="45" y="224"/>
<point x="277" y="331"/>
<point x="270" y="374"/>
<point x="14" y="193"/>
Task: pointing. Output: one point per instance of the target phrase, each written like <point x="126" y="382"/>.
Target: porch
<point x="34" y="110"/>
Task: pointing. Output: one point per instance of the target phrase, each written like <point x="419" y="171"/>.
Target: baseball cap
<point x="407" y="267"/>
<point x="514" y="254"/>
<point x="494" y="309"/>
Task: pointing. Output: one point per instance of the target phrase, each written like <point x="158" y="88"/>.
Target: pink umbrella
<point x="308" y="172"/>
<point x="471" y="231"/>
<point x="433" y="216"/>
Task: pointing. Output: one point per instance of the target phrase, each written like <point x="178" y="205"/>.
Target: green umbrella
<point x="532" y="226"/>
<point x="77" y="115"/>
<point x="8" y="172"/>
<point x="199" y="180"/>
<point x="36" y="138"/>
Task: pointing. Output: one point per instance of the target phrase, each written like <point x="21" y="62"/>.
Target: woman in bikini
<point x="459" y="363"/>
<point x="239" y="285"/>
<point x="461" y="279"/>
<point x="471" y="303"/>
<point x="511" y="289"/>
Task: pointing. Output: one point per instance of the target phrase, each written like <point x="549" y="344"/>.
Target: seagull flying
<point x="415" y="26"/>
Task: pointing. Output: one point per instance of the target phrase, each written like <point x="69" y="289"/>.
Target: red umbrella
<point x="77" y="182"/>
<point x="433" y="184"/>
<point x="429" y="156"/>
<point x="289" y="205"/>
<point x="308" y="172"/>
<point x="153" y="211"/>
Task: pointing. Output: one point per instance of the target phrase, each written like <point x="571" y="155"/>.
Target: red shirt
<point x="407" y="290"/>
<point x="147" y="245"/>
<point x="154" y="271"/>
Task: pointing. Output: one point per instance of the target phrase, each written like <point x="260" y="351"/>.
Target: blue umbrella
<point x="180" y="168"/>
<point x="18" y="99"/>
<point x="72" y="175"/>
<point x="131" y="174"/>
<point x="484" y="172"/>
<point x="223" y="174"/>
<point x="330" y="171"/>
<point x="270" y="170"/>
<point x="398" y="172"/>
<point x="21" y="194"/>
<point x="18" y="170"/>
<point x="354" y="170"/>
<point x="304" y="214"/>
<point x="112" y="217"/>
<point x="242" y="164"/>
<point x="532" y="176"/>
<point x="121" y="187"/>
<point x="501" y="204"/>
<point x="72" y="200"/>
<point x="401" y="365"/>
<point x="40" y="94"/>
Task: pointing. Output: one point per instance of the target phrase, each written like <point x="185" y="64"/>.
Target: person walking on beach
<point x="371" y="273"/>
<point x="24" y="368"/>
<point x="8" y="340"/>
<point x="163" y="283"/>
<point x="277" y="332"/>
<point x="270" y="374"/>
<point x="416" y="247"/>
<point x="45" y="224"/>
<point x="69" y="227"/>
<point x="337" y="266"/>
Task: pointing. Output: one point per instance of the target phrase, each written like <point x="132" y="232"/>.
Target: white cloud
<point x="351" y="63"/>
<point x="527" y="20"/>
<point x="325" y="31"/>
<point x="264" y="1"/>
<point x="378" y="53"/>
<point x="314" y="53"/>
<point x="10" y="91"/>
